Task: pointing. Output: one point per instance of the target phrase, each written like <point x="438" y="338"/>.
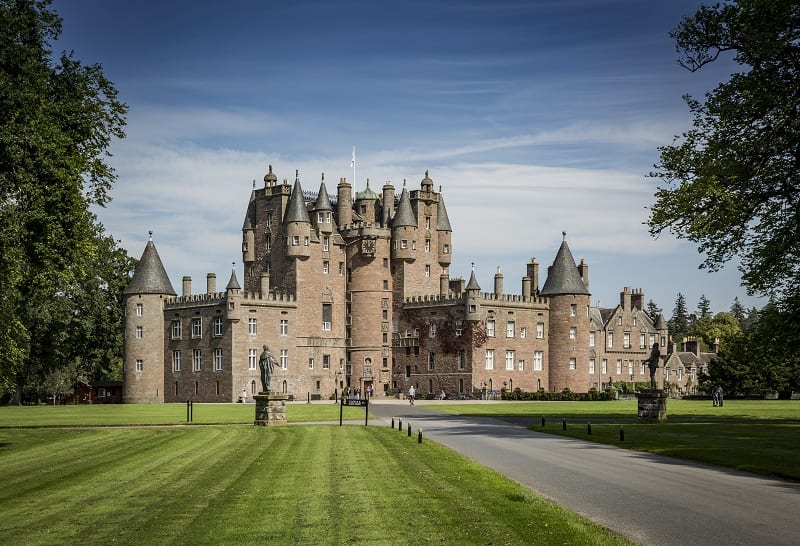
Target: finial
<point x="473" y="267"/>
<point x="404" y="182"/>
<point x="150" y="233"/>
<point x="440" y="188"/>
<point x="270" y="169"/>
<point x="254" y="183"/>
<point x="297" y="174"/>
<point x="368" y="182"/>
<point x="498" y="269"/>
<point x="426" y="173"/>
<point x="564" y="235"/>
<point x="323" y="177"/>
<point x="233" y="265"/>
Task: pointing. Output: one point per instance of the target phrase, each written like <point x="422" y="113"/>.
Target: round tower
<point x="143" y="299"/>
<point x="298" y="225"/>
<point x="569" y="324"/>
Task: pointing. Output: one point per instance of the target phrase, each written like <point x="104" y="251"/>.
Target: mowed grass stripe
<point x="290" y="485"/>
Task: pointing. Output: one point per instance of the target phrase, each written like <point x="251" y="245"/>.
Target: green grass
<point x="161" y="414"/>
<point x="254" y="485"/>
<point x="759" y="436"/>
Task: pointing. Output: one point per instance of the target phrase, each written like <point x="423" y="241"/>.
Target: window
<point x="284" y="359"/>
<point x="641" y="369"/>
<point x="642" y="341"/>
<point x="462" y="360"/>
<point x="591" y="339"/>
<point x="427" y="245"/>
<point x="490" y="359"/>
<point x="538" y="357"/>
<point x="386" y="285"/>
<point x="619" y="366"/>
<point x="630" y="367"/>
<point x="218" y="359"/>
<point x="446" y="249"/>
<point x="269" y="218"/>
<point x="284" y="327"/>
<point x="320" y="217"/>
<point x="510" y="360"/>
<point x="510" y="328"/>
<point x="413" y="245"/>
<point x="252" y="358"/>
<point x="459" y="327"/>
<point x="539" y="330"/>
<point x="433" y="329"/>
<point x="139" y="332"/>
<point x="139" y="309"/>
<point x="521" y="365"/>
<point x="652" y="340"/>
<point x="523" y="332"/>
<point x="573" y="309"/>
<point x="198" y="360"/>
<point x="176" y="361"/>
<point x="490" y="328"/>
<point x="626" y="340"/>
<point x="427" y="270"/>
<point x="176" y="329"/>
<point x="573" y="363"/>
<point x="573" y="332"/>
<point x="341" y="269"/>
<point x="386" y="263"/>
<point x="341" y="364"/>
<point x="197" y="327"/>
<point x="326" y="265"/>
<point x="427" y="222"/>
<point x="604" y="366"/>
<point x="139" y="366"/>
<point x="431" y="360"/>
<point x="591" y="366"/>
<point x="252" y="326"/>
<point x="295" y="240"/>
<point x="310" y="363"/>
<point x="218" y="326"/>
<point x="619" y="321"/>
<point x="269" y="242"/>
<point x="327" y="311"/>
<point x="404" y="243"/>
<point x="610" y="339"/>
<point x="326" y="362"/>
<point x="305" y="240"/>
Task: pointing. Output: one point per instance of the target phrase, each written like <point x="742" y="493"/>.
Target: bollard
<point x="392" y="422"/>
<point x="542" y="421"/>
<point x="419" y="437"/>
<point x="399" y="424"/>
<point x="564" y="424"/>
<point x="589" y="428"/>
<point x="308" y="401"/>
<point x="409" y="430"/>
<point x="621" y="434"/>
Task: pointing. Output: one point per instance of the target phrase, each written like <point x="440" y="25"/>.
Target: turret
<point x="297" y="224"/>
<point x="366" y="204"/>
<point x="232" y="294"/>
<point x="248" y="233"/>
<point x="211" y="283"/>
<point x="445" y="232"/>
<point x="323" y="210"/>
<point x="388" y="203"/>
<point x="344" y="203"/>
<point x="404" y="229"/>
<point x="473" y="303"/>
<point x="143" y="363"/>
<point x="498" y="283"/>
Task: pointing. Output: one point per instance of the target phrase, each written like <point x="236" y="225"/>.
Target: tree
<point x="738" y="311"/>
<point x="703" y="307"/>
<point x="653" y="310"/>
<point x="57" y="120"/>
<point x="733" y="179"/>
<point x="679" y="322"/>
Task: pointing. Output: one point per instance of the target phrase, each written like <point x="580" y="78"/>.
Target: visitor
<point x="411" y="391"/>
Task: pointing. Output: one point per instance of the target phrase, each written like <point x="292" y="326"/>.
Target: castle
<point x="356" y="292"/>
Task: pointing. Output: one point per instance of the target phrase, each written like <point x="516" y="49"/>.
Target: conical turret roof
<point x="404" y="216"/>
<point x="473" y="282"/>
<point x="323" y="202"/>
<point x="442" y="221"/>
<point x="563" y="276"/>
<point x="233" y="283"/>
<point x="150" y="277"/>
<point x="661" y="324"/>
<point x="296" y="210"/>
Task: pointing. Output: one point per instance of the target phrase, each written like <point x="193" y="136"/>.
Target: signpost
<point x="353" y="402"/>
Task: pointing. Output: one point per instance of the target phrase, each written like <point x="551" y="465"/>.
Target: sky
<point x="535" y="117"/>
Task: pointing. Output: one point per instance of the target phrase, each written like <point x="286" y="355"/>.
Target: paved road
<point x="647" y="498"/>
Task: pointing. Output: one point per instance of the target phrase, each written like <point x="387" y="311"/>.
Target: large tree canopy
<point x="733" y="179"/>
<point x="57" y="120"/>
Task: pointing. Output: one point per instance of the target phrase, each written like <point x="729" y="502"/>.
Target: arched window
<point x="252" y="387"/>
<point x="284" y="387"/>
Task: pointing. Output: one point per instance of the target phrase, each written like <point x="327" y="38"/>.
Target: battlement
<point x="433" y="299"/>
<point x="217" y="298"/>
<point x="250" y="297"/>
<point x="512" y="298"/>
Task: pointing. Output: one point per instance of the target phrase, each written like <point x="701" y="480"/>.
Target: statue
<point x="267" y="363"/>
<point x="652" y="363"/>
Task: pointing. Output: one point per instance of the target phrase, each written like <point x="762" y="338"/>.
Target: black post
<point x="308" y="395"/>
<point x="191" y="411"/>
<point x="589" y="427"/>
<point x="366" y="412"/>
<point x="542" y="421"/>
<point x="621" y="434"/>
<point x="341" y="409"/>
<point x="564" y="424"/>
<point x="392" y="422"/>
<point x="409" y="430"/>
<point x="187" y="411"/>
<point x="399" y="424"/>
<point x="419" y="437"/>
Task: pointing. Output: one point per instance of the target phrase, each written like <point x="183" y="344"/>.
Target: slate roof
<point x="661" y="324"/>
<point x="296" y="210"/>
<point x="150" y="277"/>
<point x="473" y="282"/>
<point x="323" y="202"/>
<point x="563" y="276"/>
<point x="233" y="283"/>
<point x="442" y="221"/>
<point x="404" y="215"/>
<point x="367" y="194"/>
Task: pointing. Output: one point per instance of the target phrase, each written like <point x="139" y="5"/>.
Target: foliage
<point x="653" y="310"/>
<point x="565" y="395"/>
<point x="703" y="307"/>
<point x="678" y="324"/>
<point x="57" y="120"/>
<point x="722" y="327"/>
<point x="473" y="334"/>
<point x="733" y="183"/>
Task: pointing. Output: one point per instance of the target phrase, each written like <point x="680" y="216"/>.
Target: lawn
<point x="315" y="484"/>
<point x="759" y="436"/>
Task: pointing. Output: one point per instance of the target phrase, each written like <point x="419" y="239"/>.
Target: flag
<point x="353" y="161"/>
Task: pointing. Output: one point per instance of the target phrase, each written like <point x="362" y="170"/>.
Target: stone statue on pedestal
<point x="652" y="363"/>
<point x="267" y="364"/>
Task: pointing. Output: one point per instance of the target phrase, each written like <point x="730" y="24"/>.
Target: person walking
<point x="411" y="392"/>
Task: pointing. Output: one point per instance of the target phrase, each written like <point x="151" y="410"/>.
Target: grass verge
<point x="279" y="485"/>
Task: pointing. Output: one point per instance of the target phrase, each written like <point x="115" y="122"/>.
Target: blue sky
<point x="534" y="117"/>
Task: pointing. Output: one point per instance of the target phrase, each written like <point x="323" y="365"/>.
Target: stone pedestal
<point x="652" y="407"/>
<point x="270" y="409"/>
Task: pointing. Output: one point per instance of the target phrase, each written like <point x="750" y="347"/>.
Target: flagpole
<point x="353" y="164"/>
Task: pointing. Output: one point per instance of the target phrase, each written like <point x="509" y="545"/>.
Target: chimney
<point x="444" y="284"/>
<point x="533" y="274"/>
<point x="583" y="271"/>
<point x="637" y="299"/>
<point x="211" y="283"/>
<point x="526" y="287"/>
<point x="187" y="285"/>
<point x="498" y="282"/>
<point x="625" y="298"/>
<point x="264" y="284"/>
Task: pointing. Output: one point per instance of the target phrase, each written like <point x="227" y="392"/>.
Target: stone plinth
<point x="652" y="407"/>
<point x="270" y="409"/>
